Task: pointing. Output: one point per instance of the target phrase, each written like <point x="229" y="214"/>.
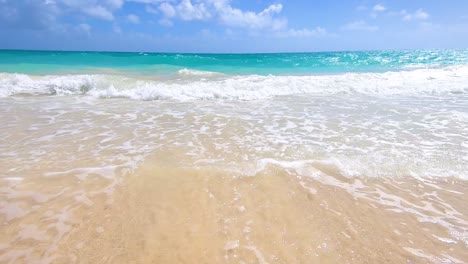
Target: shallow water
<point x="291" y="179"/>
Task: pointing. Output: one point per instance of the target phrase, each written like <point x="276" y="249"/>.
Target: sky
<point x="233" y="26"/>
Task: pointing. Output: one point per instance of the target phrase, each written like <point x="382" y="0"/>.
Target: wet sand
<point x="164" y="215"/>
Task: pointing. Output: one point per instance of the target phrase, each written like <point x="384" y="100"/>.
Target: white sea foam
<point x="188" y="72"/>
<point x="193" y="85"/>
<point x="366" y="134"/>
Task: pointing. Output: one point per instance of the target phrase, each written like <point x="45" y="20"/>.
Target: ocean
<point x="327" y="157"/>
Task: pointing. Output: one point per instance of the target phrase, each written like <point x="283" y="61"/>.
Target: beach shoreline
<point x="351" y="166"/>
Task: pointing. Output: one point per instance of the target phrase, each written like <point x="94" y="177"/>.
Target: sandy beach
<point x="165" y="182"/>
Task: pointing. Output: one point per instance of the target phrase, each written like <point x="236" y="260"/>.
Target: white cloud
<point x="420" y="14"/>
<point x="100" y="9"/>
<point x="134" y="19"/>
<point x="359" y="25"/>
<point x="379" y="8"/>
<point x="47" y="13"/>
<point x="185" y="10"/>
<point x="167" y="9"/>
<point x="35" y="15"/>
<point x="305" y="32"/>
<point x="188" y="11"/>
<point x="272" y="9"/>
<point x="225" y="14"/>
<point x="235" y="17"/>
<point x="99" y="12"/>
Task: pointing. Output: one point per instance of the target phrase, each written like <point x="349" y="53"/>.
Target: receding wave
<point x="193" y="85"/>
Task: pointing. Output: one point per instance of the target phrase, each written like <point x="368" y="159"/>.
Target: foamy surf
<point x="194" y="85"/>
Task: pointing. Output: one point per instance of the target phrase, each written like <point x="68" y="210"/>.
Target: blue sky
<point x="232" y="25"/>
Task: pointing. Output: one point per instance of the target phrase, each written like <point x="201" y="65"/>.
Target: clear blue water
<point x="52" y="62"/>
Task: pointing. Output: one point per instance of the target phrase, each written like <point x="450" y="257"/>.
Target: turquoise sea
<point x="151" y="76"/>
<point x="50" y="62"/>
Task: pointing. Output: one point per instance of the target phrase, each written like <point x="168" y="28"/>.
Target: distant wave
<point x="188" y="72"/>
<point x="193" y="85"/>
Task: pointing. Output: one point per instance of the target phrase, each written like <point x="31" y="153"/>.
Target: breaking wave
<point x="195" y="85"/>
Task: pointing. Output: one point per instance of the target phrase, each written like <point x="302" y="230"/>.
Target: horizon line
<point x="228" y="53"/>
